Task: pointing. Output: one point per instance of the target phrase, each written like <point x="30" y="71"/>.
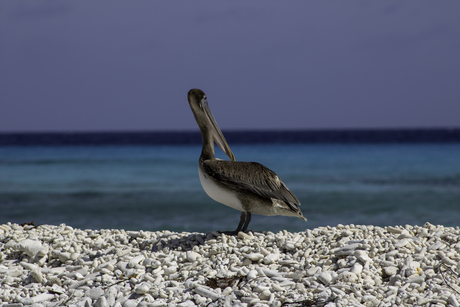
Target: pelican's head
<point x="205" y="120"/>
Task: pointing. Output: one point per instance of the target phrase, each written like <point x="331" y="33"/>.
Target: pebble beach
<point x="345" y="265"/>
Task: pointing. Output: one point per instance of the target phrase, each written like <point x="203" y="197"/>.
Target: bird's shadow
<point x="183" y="241"/>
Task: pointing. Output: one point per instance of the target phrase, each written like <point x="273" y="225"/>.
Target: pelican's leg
<point x="248" y="219"/>
<point x="240" y="225"/>
<point x="242" y="218"/>
<point x="243" y="221"/>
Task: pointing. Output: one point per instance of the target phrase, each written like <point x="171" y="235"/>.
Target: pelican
<point x="248" y="187"/>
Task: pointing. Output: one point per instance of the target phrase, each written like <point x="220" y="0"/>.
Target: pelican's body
<point x="248" y="187"/>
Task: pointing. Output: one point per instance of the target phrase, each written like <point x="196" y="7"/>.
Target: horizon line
<point x="231" y="130"/>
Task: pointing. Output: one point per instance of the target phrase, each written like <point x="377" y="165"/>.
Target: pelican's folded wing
<point x="251" y="176"/>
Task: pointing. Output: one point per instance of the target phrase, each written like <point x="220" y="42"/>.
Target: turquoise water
<point x="157" y="187"/>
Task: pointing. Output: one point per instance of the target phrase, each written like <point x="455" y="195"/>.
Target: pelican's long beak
<point x="216" y="132"/>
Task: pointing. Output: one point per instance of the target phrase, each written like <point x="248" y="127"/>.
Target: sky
<point x="113" y="65"/>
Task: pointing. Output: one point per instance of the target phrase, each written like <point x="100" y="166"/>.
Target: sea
<point x="149" y="180"/>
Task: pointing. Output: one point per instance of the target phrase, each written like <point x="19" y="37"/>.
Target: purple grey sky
<point x="128" y="65"/>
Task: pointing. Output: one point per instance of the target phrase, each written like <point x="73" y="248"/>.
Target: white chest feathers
<point x="218" y="193"/>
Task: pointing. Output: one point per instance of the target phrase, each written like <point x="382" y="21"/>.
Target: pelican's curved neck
<point x="207" y="152"/>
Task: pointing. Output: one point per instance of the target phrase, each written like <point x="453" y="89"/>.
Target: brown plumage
<point x="252" y="177"/>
